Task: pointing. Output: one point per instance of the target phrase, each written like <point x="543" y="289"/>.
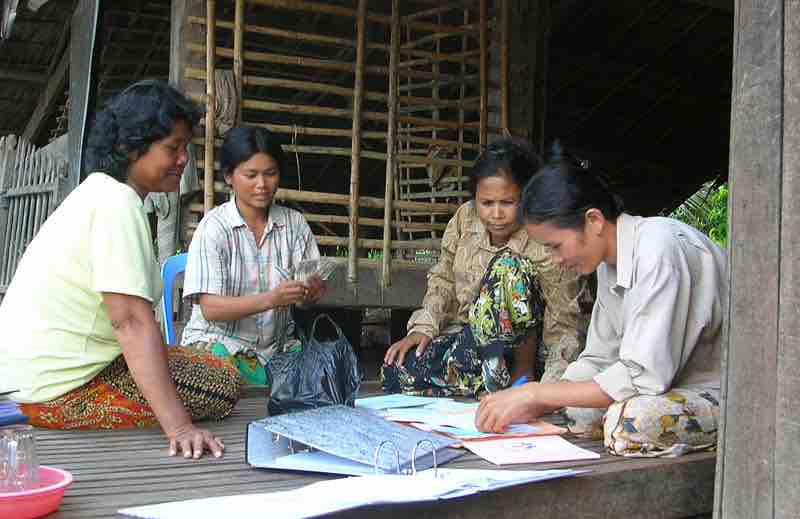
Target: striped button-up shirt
<point x="224" y="259"/>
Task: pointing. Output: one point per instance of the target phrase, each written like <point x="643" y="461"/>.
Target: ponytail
<point x="563" y="190"/>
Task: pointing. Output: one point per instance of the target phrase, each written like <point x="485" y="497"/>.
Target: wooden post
<point x="505" y="16"/>
<point x="211" y="45"/>
<point x="238" y="61"/>
<point x="355" y="155"/>
<point x="759" y="445"/>
<point x="391" y="146"/>
<point x="484" y="72"/>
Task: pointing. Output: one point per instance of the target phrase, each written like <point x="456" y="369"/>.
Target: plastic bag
<point x="322" y="373"/>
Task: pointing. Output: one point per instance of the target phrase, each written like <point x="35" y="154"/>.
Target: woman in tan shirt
<point x="653" y="349"/>
<point x="496" y="308"/>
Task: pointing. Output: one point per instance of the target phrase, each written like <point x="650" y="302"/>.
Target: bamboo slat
<point x="391" y="146"/>
<point x="325" y="40"/>
<point x="313" y="7"/>
<point x="365" y="222"/>
<point x="436" y="194"/>
<point x="208" y="177"/>
<point x="322" y="64"/>
<point x="364" y="154"/>
<point x="375" y="222"/>
<point x="368" y="202"/>
<point x="355" y="157"/>
<point x="311" y="86"/>
<point x="427" y="181"/>
<point x="380" y="244"/>
<point x="343" y="113"/>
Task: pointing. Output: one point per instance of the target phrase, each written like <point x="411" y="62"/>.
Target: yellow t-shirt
<point x="56" y="331"/>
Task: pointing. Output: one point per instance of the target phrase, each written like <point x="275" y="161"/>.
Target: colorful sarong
<point x="208" y="387"/>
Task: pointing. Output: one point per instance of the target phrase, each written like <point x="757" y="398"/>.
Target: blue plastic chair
<point x="169" y="271"/>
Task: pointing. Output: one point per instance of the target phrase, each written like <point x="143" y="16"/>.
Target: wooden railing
<point x="31" y="185"/>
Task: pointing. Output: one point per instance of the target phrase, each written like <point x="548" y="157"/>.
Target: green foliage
<point x="707" y="210"/>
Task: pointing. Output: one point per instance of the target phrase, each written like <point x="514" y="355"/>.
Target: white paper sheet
<point x="458" y="415"/>
<point x="336" y="495"/>
<point x="395" y="401"/>
<point x="534" y="449"/>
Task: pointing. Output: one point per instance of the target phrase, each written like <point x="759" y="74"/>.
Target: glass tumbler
<point x="19" y="465"/>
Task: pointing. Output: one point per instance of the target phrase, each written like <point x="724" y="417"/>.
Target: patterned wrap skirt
<point x="508" y="310"/>
<point x="208" y="387"/>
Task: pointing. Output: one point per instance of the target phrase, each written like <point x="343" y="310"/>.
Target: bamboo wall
<point x="383" y="106"/>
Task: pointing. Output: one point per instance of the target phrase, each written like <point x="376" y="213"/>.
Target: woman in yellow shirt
<point x="82" y="345"/>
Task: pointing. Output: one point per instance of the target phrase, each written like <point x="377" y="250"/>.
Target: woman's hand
<point x="399" y="349"/>
<point x="287" y="293"/>
<point x="515" y="405"/>
<point x="146" y="356"/>
<point x="315" y="289"/>
<point x="192" y="441"/>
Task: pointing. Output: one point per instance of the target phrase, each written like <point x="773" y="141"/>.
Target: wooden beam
<point x="763" y="191"/>
<point x="787" y="425"/>
<point x="48" y="99"/>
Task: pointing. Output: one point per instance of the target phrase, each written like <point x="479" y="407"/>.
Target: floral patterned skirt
<point x="677" y="422"/>
<point x="208" y="387"/>
<point x="508" y="309"/>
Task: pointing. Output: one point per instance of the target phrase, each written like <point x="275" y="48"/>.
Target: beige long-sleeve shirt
<point x="657" y="320"/>
<point x="454" y="282"/>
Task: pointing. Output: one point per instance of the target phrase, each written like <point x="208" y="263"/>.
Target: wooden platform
<point x="119" y="469"/>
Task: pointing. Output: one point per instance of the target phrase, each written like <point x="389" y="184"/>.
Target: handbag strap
<point x="313" y="334"/>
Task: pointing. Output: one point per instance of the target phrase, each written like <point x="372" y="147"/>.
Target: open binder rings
<point x="343" y="440"/>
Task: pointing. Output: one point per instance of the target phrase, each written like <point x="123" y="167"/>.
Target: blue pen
<point x="520" y="381"/>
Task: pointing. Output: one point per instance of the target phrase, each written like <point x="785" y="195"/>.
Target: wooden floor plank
<point x="116" y="469"/>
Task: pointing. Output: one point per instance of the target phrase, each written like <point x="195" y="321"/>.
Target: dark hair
<point x="242" y="142"/>
<point x="507" y="156"/>
<point x="564" y="189"/>
<point x="131" y="121"/>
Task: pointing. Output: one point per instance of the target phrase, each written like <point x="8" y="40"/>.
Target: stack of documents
<point x="9" y="411"/>
<point x="537" y="442"/>
<point x="444" y="415"/>
<point x="327" y="497"/>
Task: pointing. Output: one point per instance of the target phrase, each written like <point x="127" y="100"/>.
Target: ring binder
<point x="343" y="440"/>
<point x="414" y="458"/>
<point x="375" y="466"/>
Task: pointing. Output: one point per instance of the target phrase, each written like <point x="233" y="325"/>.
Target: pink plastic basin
<point x="38" y="501"/>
